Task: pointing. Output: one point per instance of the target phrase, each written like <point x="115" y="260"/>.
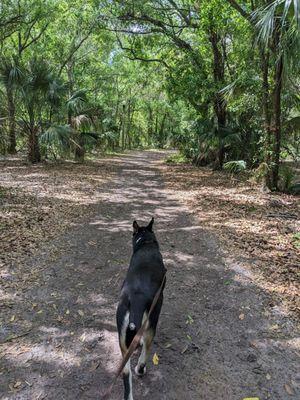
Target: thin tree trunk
<point x="150" y="126"/>
<point x="221" y="156"/>
<point x="220" y="106"/>
<point x="276" y="126"/>
<point x="162" y="130"/>
<point x="266" y="113"/>
<point x="156" y="124"/>
<point x="11" y="121"/>
<point x="123" y="127"/>
<point x="79" y="152"/>
<point x="128" y="125"/>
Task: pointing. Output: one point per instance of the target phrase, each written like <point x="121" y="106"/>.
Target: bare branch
<point x="137" y="57"/>
<point x="34" y="39"/>
<point x="73" y="51"/>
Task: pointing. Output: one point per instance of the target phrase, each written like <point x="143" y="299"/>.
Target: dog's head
<point x="143" y="233"/>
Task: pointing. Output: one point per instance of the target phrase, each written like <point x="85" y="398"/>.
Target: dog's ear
<point x="135" y="227"/>
<point x="149" y="226"/>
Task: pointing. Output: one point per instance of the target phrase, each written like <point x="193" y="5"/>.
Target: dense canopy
<point x="217" y="79"/>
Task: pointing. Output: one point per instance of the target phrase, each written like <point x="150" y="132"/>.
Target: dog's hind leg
<point x="122" y="322"/>
<point x="148" y="336"/>
<point x="127" y="380"/>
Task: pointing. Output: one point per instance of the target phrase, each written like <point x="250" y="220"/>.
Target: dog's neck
<point x="141" y="241"/>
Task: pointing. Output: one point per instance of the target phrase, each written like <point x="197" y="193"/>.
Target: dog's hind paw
<point x="140" y="370"/>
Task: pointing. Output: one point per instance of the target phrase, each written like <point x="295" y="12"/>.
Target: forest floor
<point x="226" y="330"/>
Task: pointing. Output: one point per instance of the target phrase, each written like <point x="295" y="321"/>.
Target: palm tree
<point x="80" y="120"/>
<point x="217" y="140"/>
<point x="10" y="76"/>
<point x="278" y="31"/>
<point x="40" y="95"/>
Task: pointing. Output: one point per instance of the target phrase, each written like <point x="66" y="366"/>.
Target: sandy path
<point x="216" y="338"/>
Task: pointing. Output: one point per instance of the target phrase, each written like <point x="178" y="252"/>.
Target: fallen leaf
<point x="68" y="312"/>
<point x="81" y="313"/>
<point x="155" y="359"/>
<point x="185" y="349"/>
<point x="274" y="327"/>
<point x="288" y="389"/>
<point x="13" y="318"/>
<point x="189" y="320"/>
<point x="95" y="365"/>
<point x="82" y="337"/>
<point x="251" y="398"/>
<point x="241" y="317"/>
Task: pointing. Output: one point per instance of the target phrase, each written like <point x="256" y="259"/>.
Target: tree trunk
<point x="150" y="126"/>
<point x="34" y="155"/>
<point x="266" y="114"/>
<point x="128" y="125"/>
<point x="79" y="154"/>
<point x="276" y="125"/>
<point x="11" y="121"/>
<point x="220" y="106"/>
<point x="123" y="120"/>
<point x="162" y="130"/>
<point x="221" y="157"/>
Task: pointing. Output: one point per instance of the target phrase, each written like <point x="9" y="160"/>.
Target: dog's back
<point x="143" y="280"/>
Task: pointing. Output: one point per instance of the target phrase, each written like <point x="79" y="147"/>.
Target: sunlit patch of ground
<point x="259" y="230"/>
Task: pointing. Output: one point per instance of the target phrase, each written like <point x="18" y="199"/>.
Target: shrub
<point x="235" y="166"/>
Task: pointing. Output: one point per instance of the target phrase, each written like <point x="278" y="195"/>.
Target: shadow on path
<point x="215" y="340"/>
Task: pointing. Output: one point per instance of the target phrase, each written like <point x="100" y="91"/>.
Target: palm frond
<point x="81" y="120"/>
<point x="264" y="21"/>
<point x="11" y="72"/>
<point x="59" y="135"/>
<point x="76" y="101"/>
<point x="297" y="12"/>
<point x="235" y="166"/>
<point x="88" y="138"/>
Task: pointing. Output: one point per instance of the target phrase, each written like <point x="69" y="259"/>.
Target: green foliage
<point x="235" y="166"/>
<point x="260" y="173"/>
<point x="177" y="158"/>
<point x="58" y="136"/>
<point x="89" y="76"/>
<point x="286" y="177"/>
<point x="295" y="188"/>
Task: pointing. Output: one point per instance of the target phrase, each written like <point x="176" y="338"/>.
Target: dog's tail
<point x="138" y="306"/>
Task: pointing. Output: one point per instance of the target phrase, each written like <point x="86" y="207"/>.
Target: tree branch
<point x="163" y="29"/>
<point x="138" y="57"/>
<point x="240" y="10"/>
<point x="73" y="51"/>
<point x="35" y="38"/>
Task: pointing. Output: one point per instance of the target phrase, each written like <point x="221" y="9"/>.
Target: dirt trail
<point x="216" y="339"/>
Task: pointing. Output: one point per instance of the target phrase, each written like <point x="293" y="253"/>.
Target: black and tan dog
<point x="143" y="280"/>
